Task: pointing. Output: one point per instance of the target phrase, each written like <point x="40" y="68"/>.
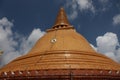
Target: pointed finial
<point x="61" y="19"/>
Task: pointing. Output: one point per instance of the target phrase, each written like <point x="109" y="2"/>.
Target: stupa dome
<point x="61" y="53"/>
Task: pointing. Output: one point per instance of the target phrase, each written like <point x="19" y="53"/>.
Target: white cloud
<point x="112" y="56"/>
<point x="7" y="42"/>
<point x="107" y="42"/>
<point x="73" y="12"/>
<point x="85" y="5"/>
<point x="27" y="43"/>
<point x="116" y="19"/>
<point x="73" y="15"/>
<point x="108" y="45"/>
<point x="78" y="5"/>
<point x="13" y="47"/>
<point x="35" y="35"/>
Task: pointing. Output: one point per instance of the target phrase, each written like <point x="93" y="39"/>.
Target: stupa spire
<point x="61" y="19"/>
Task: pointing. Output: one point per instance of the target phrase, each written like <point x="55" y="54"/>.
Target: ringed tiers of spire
<point x="61" y="18"/>
<point x="61" y="21"/>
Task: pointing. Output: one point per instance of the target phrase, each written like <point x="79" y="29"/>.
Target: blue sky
<point x="23" y="22"/>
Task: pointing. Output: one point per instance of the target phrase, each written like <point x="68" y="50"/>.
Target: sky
<point x="23" y="22"/>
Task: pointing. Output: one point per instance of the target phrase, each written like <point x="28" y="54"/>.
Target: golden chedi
<point x="61" y="54"/>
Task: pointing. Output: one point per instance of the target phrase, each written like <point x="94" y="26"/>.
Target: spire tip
<point x="61" y="18"/>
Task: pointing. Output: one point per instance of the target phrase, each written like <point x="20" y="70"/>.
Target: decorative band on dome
<point x="62" y="73"/>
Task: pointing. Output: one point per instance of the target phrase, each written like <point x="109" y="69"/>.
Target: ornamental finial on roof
<point x="61" y="19"/>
